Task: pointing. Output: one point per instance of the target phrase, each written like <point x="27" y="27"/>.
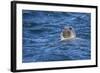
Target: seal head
<point x="68" y="33"/>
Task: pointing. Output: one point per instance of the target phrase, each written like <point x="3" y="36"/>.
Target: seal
<point x="68" y="33"/>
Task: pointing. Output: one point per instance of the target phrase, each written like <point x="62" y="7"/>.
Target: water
<point x="41" y="36"/>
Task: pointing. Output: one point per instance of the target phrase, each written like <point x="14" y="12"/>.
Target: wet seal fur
<point x="68" y="34"/>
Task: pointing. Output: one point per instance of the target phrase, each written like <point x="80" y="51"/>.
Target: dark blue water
<point x="41" y="36"/>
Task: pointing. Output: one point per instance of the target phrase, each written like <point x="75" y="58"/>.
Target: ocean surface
<point x="41" y="36"/>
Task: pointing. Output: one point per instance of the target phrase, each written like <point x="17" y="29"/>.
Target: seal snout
<point x="68" y="33"/>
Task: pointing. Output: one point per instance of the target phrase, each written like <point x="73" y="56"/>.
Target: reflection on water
<point x="41" y="36"/>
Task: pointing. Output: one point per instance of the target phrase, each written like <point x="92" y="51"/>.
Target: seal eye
<point x="70" y="28"/>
